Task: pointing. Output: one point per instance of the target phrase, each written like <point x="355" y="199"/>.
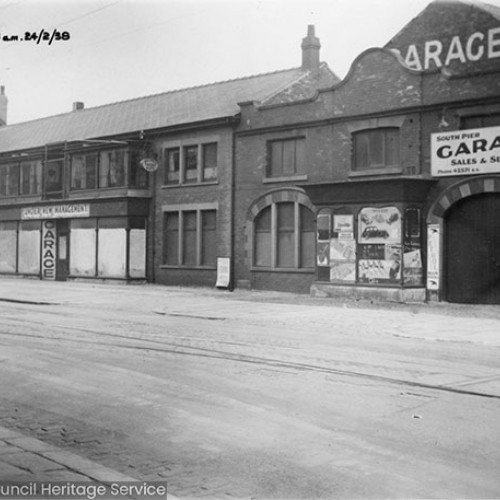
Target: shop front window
<point x="8" y="247"/>
<point x="29" y="247"/>
<point x="83" y="247"/>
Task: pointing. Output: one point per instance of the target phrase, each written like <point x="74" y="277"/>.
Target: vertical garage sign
<point x="433" y="256"/>
<point x="48" y="250"/>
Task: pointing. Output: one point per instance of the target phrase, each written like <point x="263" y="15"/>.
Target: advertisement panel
<point x="379" y="225"/>
<point x="465" y="152"/>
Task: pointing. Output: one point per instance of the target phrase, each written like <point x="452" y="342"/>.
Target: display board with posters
<point x="379" y="249"/>
<point x="343" y="249"/>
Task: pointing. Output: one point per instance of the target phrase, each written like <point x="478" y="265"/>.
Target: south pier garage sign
<point x="68" y="211"/>
<point x="465" y="152"/>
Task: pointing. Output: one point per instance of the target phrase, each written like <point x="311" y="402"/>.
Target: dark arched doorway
<point x="472" y="250"/>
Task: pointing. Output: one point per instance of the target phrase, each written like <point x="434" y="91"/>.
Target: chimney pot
<point x="310" y="50"/>
<point x="77" y="105"/>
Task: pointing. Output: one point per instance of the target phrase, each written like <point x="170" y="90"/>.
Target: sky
<point x="122" y="49"/>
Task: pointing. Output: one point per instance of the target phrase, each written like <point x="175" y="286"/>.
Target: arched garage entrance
<point x="472" y="250"/>
<point x="463" y="242"/>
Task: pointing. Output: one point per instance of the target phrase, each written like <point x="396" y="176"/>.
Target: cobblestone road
<point x="265" y="395"/>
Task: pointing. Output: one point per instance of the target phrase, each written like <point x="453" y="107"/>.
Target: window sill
<point x="109" y="193"/>
<point x="290" y="178"/>
<point x="376" y="171"/>
<point x="302" y="270"/>
<point x="189" y="184"/>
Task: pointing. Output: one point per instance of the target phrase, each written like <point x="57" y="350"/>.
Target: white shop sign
<point x="465" y="152"/>
<point x="68" y="211"/>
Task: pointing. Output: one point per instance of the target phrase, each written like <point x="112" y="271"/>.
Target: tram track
<point x="159" y="346"/>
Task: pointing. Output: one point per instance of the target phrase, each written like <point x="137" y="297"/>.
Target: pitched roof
<point x="178" y="107"/>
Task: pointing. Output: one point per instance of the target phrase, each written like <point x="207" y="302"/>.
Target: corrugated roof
<point x="177" y="107"/>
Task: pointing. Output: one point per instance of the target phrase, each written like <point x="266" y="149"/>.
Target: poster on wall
<point x="343" y="271"/>
<point x="433" y="253"/>
<point x="412" y="267"/>
<point x="323" y="254"/>
<point x="387" y="267"/>
<point x="342" y="249"/>
<point x="379" y="225"/>
<point x="343" y="223"/>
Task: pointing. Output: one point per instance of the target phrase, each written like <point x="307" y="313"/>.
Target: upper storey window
<point x="107" y="169"/>
<point x="480" y="121"/>
<point x="376" y="148"/>
<point x="21" y="178"/>
<point x="195" y="163"/>
<point x="286" y="157"/>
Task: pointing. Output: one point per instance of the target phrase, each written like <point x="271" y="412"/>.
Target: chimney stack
<point x="3" y="106"/>
<point x="77" y="105"/>
<point x="310" y="50"/>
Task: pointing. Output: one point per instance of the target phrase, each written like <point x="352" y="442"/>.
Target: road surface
<point x="245" y="396"/>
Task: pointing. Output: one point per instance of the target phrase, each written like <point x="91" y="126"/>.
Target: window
<point x="191" y="164"/>
<point x="107" y="169"/>
<point x="189" y="238"/>
<point x="112" y="168"/>
<point x="9" y="180"/>
<point x="31" y="173"/>
<point x="8" y="247"/>
<point x="263" y="242"/>
<point x="480" y="121"/>
<point x="84" y="171"/>
<point x="138" y="176"/>
<point x="284" y="236"/>
<point x="108" y="247"/>
<point x="209" y="152"/>
<point x="54" y="177"/>
<point x="172" y="165"/>
<point x="286" y="158"/>
<point x="376" y="148"/>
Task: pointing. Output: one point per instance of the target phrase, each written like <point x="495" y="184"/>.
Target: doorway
<point x="472" y="250"/>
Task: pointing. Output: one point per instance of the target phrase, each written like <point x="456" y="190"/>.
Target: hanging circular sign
<point x="149" y="164"/>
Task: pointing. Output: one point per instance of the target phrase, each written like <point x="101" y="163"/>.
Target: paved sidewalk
<point x="25" y="459"/>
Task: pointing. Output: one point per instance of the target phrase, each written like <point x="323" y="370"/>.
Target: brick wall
<point x="218" y="192"/>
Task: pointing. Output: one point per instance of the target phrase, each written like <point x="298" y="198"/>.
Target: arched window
<point x="284" y="235"/>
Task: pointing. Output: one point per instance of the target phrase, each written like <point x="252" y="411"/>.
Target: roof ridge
<point x="173" y="91"/>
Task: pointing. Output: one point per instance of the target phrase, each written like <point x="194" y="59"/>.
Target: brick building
<point x="401" y="196"/>
<point x="381" y="185"/>
<point x="135" y="190"/>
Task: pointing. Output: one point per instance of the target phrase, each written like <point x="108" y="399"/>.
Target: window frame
<point x="299" y="158"/>
<point x="299" y="258"/>
<point x="184" y="163"/>
<point x="182" y="257"/>
<point x="130" y="172"/>
<point x="368" y="135"/>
